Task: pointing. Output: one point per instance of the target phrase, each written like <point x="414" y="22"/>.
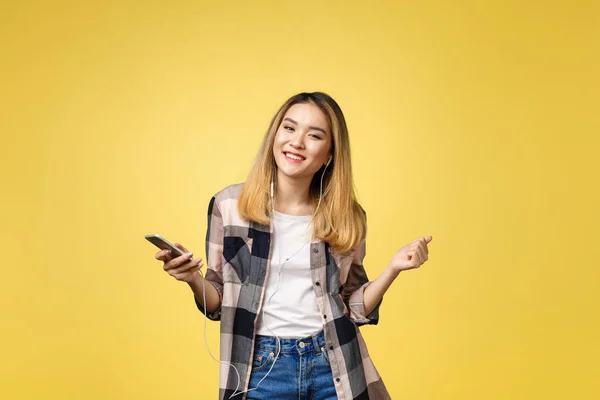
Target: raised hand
<point x="413" y="255"/>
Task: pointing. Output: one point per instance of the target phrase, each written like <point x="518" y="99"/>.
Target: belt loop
<point x="315" y="340"/>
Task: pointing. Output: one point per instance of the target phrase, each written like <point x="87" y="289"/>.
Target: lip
<point x="285" y="153"/>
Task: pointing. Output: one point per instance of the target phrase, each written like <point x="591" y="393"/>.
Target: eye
<point x="313" y="135"/>
<point x="288" y="128"/>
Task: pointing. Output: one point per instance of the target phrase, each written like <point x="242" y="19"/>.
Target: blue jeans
<point x="301" y="372"/>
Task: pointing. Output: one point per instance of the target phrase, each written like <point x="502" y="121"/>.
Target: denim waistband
<point x="314" y="342"/>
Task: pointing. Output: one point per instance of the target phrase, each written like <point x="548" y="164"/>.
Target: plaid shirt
<point x="238" y="256"/>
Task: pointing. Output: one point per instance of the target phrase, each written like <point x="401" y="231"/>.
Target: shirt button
<point x="325" y="316"/>
<point x="330" y="347"/>
<point x="315" y="250"/>
<point x="318" y="283"/>
<point x="337" y="379"/>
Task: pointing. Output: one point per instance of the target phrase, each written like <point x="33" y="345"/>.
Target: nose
<point x="297" y="141"/>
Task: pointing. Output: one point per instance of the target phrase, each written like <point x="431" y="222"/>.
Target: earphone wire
<point x="236" y="391"/>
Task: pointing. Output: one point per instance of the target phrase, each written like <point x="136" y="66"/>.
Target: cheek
<point x="277" y="143"/>
<point x="319" y="151"/>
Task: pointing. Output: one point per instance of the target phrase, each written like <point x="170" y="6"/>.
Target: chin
<point x="296" y="174"/>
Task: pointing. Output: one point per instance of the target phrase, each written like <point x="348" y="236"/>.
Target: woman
<point x="285" y="273"/>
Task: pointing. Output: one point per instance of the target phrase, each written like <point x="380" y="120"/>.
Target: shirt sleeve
<point x="214" y="257"/>
<point x="354" y="289"/>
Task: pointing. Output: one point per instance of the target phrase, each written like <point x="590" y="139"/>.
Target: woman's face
<point x="303" y="141"/>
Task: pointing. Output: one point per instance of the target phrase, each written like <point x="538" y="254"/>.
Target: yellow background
<point x="474" y="122"/>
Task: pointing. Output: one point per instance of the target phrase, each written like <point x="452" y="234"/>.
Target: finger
<point x="419" y="257"/>
<point x="185" y="276"/>
<point x="193" y="264"/>
<point x="423" y="240"/>
<point x="412" y="248"/>
<point x="424" y="245"/>
<point x="418" y="260"/>
<point x="420" y="244"/>
<point x="177" y="261"/>
<point x="163" y="255"/>
<point x="422" y="255"/>
<point x="413" y="256"/>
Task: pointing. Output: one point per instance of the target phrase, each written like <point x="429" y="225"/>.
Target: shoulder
<point x="224" y="202"/>
<point x="231" y="192"/>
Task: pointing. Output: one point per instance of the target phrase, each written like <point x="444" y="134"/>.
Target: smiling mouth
<point x="293" y="157"/>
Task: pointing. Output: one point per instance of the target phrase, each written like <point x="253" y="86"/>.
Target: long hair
<point x="340" y="220"/>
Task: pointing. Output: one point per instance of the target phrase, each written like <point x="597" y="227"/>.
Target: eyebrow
<point x="316" y="128"/>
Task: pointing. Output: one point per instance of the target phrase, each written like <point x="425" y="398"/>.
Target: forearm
<point x="377" y="288"/>
<point x="213" y="301"/>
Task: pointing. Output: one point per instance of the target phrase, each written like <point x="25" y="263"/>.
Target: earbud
<point x="328" y="161"/>
<point x="271" y="189"/>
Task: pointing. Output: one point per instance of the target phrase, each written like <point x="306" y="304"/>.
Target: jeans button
<point x="301" y="345"/>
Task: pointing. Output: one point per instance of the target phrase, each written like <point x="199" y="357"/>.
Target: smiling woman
<point x="307" y="132"/>
<point x="285" y="256"/>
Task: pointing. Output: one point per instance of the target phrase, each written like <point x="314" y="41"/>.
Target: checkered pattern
<point x="238" y="256"/>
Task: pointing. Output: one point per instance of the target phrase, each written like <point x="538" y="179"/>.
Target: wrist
<point x="392" y="271"/>
<point x="196" y="280"/>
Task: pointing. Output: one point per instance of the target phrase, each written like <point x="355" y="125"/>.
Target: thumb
<point x="428" y="239"/>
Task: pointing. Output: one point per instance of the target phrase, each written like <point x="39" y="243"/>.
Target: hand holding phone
<point x="178" y="262"/>
<point x="164" y="244"/>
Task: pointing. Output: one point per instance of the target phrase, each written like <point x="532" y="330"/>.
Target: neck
<point x="292" y="196"/>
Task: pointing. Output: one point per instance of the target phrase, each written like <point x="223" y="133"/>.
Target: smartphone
<point x="164" y="244"/>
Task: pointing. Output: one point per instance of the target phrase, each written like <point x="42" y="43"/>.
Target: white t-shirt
<point x="290" y="310"/>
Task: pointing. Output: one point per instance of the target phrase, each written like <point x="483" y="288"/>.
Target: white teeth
<point x="294" y="157"/>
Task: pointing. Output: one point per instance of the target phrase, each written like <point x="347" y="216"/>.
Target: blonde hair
<point x="340" y="220"/>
